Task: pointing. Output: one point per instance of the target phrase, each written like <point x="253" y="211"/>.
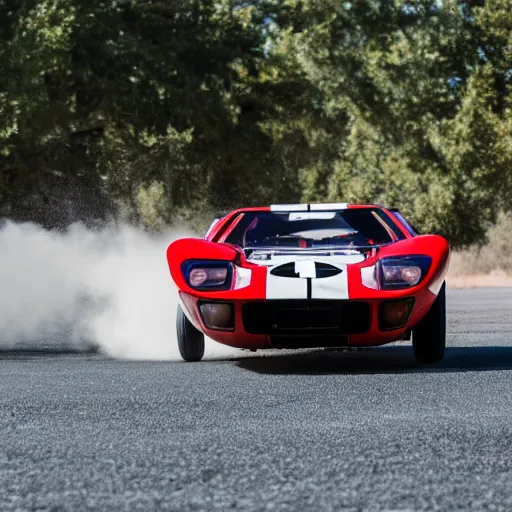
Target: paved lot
<point x="313" y="431"/>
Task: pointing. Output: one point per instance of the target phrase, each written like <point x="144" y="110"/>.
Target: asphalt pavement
<point x="312" y="431"/>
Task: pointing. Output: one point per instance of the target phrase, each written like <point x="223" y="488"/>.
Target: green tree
<point x="175" y="109"/>
<point x="424" y="130"/>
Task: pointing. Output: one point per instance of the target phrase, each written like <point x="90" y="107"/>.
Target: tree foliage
<point x="174" y="109"/>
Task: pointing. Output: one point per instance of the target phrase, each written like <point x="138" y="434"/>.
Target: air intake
<point x="322" y="270"/>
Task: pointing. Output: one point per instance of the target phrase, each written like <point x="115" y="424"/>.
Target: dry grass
<point x="479" y="280"/>
<point x="490" y="265"/>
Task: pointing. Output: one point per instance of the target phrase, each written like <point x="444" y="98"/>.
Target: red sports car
<point x="311" y="275"/>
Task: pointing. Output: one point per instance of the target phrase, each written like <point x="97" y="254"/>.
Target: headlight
<point x="208" y="274"/>
<point x="403" y="271"/>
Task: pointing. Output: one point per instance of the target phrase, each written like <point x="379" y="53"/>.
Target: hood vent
<point x="322" y="270"/>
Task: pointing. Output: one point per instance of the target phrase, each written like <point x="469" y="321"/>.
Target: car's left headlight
<point x="400" y="272"/>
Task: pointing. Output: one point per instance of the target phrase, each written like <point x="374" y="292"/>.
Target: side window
<point x="391" y="223"/>
<point x="212" y="225"/>
<point x="402" y="219"/>
<point x="234" y="230"/>
<point x="370" y="224"/>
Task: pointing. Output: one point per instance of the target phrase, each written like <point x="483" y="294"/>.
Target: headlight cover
<point x="399" y="272"/>
<point x="208" y="275"/>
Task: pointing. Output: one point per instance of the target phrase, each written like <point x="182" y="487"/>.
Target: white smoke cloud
<point x="110" y="288"/>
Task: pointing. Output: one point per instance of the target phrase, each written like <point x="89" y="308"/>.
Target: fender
<point x="195" y="248"/>
<point x="434" y="246"/>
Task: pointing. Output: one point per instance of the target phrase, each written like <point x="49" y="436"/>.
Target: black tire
<point x="190" y="340"/>
<point x="429" y="335"/>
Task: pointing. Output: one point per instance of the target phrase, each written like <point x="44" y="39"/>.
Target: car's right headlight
<point x="211" y="275"/>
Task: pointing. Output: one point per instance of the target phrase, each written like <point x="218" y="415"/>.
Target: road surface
<point x="314" y="431"/>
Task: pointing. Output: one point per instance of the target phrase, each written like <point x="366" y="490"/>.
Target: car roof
<point x="223" y="219"/>
<point x="306" y="207"/>
<point x="297" y="207"/>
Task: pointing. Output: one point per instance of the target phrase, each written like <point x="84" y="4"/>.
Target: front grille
<point x="306" y="317"/>
<point x="308" y="341"/>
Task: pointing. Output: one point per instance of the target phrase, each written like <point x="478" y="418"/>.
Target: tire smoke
<point x="110" y="289"/>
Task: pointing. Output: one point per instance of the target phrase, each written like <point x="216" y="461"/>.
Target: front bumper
<point x="307" y="323"/>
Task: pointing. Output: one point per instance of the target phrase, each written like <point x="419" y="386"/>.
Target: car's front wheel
<point x="190" y="340"/>
<point x="429" y="335"/>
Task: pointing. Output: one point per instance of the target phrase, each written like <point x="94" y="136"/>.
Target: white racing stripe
<point x="286" y="287"/>
<point x="307" y="207"/>
<point x="335" y="287"/>
<point x="288" y="207"/>
<point x="328" y="206"/>
<point x="305" y="268"/>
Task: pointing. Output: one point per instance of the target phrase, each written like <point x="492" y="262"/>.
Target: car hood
<point x="271" y="257"/>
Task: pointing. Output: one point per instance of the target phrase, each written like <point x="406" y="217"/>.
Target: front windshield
<point x="354" y="227"/>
